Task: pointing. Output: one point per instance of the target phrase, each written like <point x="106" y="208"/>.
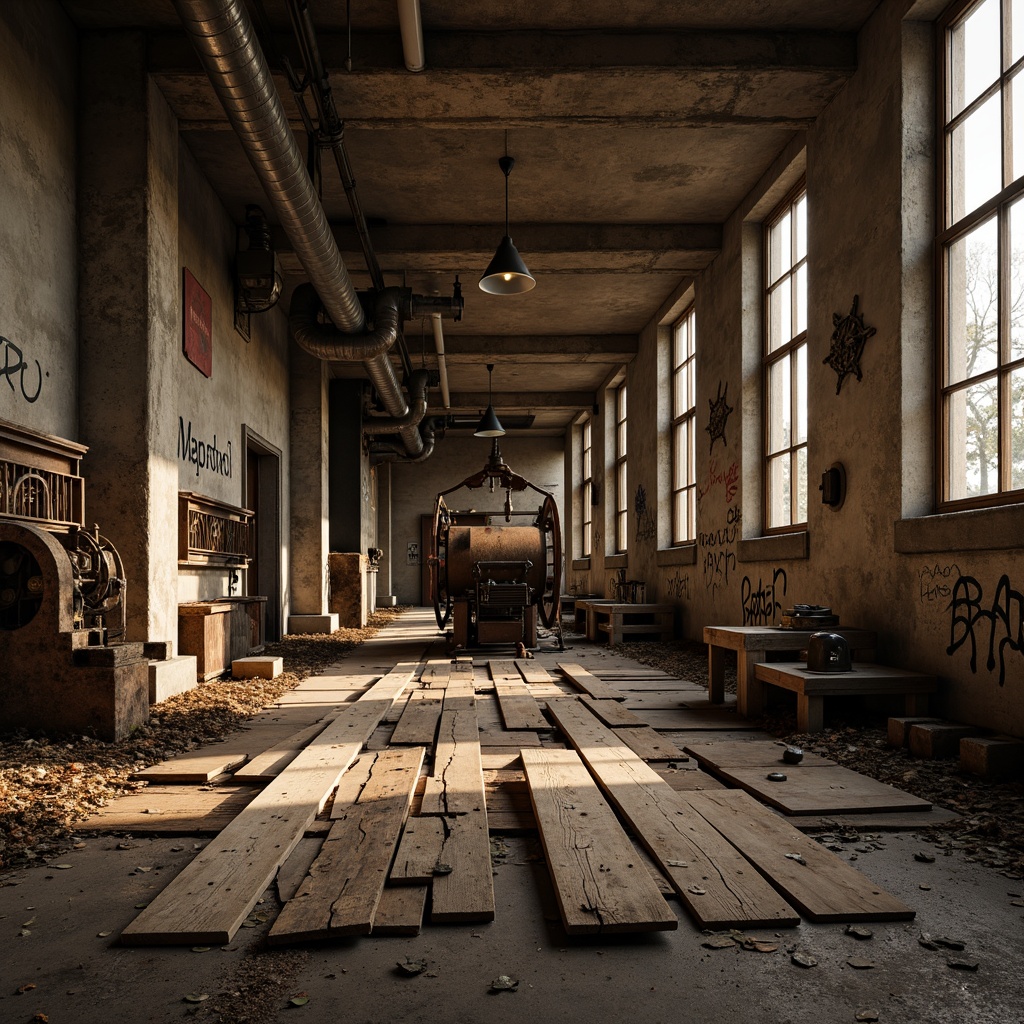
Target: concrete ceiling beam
<point x="521" y="400"/>
<point x="554" y="348"/>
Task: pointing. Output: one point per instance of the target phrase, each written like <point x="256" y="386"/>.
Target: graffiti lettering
<point x="678" y="587"/>
<point x="14" y="364"/>
<point x="728" y="478"/>
<point x="935" y="582"/>
<point x="202" y="454"/>
<point x="761" y="604"/>
<point x="1003" y="620"/>
<point x="719" y="557"/>
<point x="646" y="528"/>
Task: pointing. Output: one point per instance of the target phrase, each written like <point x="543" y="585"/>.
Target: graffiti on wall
<point x="761" y="602"/>
<point x="16" y="366"/>
<point x="935" y="582"/>
<point x="678" y="587"/>
<point x="719" y="550"/>
<point x="646" y="528"/>
<point x="974" y="619"/>
<point x="729" y="479"/>
<point x="719" y="413"/>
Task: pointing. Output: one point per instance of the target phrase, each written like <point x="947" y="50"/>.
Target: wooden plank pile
<point x="408" y="834"/>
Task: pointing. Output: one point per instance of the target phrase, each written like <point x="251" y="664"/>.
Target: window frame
<point x="621" y="481"/>
<point x="586" y="487"/>
<point x="682" y="427"/>
<point x="791" y="349"/>
<point x="952" y="230"/>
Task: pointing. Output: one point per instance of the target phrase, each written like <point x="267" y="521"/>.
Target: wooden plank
<point x="489" y="741"/>
<point x="351" y="784"/>
<point x="659" y="700"/>
<point x="339" y="895"/>
<point x="207" y="902"/>
<point x="271" y="762"/>
<point x="895" y="821"/>
<point x="533" y="672"/>
<point x="171" y="810"/>
<point x="821" y="885"/>
<point x="401" y="909"/>
<point x="667" y="684"/>
<point x="456" y="786"/>
<point x="583" y="680"/>
<point x="466" y="892"/>
<point x="612" y="713"/>
<point x="749" y="754"/>
<point x="600" y="883"/>
<point x="519" y="708"/>
<point x="503" y="669"/>
<point x="418" y="851"/>
<point x="649" y="744"/>
<point x="294" y="870"/>
<point x="822" y="790"/>
<point x="436" y="674"/>
<point x="716" y="884"/>
<point x="418" y="724"/>
<point x="197" y="767"/>
<point x="721" y="717"/>
<point x="685" y="781"/>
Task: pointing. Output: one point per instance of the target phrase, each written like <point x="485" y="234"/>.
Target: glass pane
<point x="1015" y="98"/>
<point x="622" y="402"/>
<point x="780" y="309"/>
<point x="975" y="172"/>
<point x="1016" y="278"/>
<point x="678" y="456"/>
<point x="621" y="491"/>
<point x="800" y="302"/>
<point x="779" y="491"/>
<point x="800" y="228"/>
<point x="691" y="513"/>
<point x="780" y="248"/>
<point x="974" y="55"/>
<point x="800" y="385"/>
<point x="1016" y="9"/>
<point x="973" y="304"/>
<point x="1016" y="418"/>
<point x="779" y="406"/>
<point x="691" y="384"/>
<point x="973" y="440"/>
<point x="800" y="512"/>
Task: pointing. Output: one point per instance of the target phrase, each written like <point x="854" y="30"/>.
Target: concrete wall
<point x="38" y="268"/>
<point x="414" y="488"/>
<point x="943" y="592"/>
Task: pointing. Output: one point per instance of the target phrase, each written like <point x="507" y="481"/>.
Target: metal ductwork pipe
<point x="410" y="24"/>
<point x="385" y="451"/>
<point x="419" y="381"/>
<point x="226" y="43"/>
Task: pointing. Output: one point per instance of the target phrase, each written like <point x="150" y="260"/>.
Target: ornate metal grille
<point x="212" y="532"/>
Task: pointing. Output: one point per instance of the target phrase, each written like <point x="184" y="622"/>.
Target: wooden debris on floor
<point x="581" y="679"/>
<point x="340" y="893"/>
<point x="207" y="902"/>
<point x="271" y="762"/>
<point x="172" y="810"/>
<point x="519" y="708"/>
<point x="601" y="884"/>
<point x="418" y="724"/>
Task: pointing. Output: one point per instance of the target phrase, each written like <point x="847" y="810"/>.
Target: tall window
<point x="981" y="254"/>
<point x="785" y="364"/>
<point x="684" y="415"/>
<point x="586" y="490"/>
<point x="621" y="492"/>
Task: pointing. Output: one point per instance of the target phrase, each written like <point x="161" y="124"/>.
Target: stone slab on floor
<point x="933" y="740"/>
<point x="899" y="728"/>
<point x="257" y="667"/>
<point x="313" y="623"/>
<point x="992" y="756"/>
<point x="172" y="676"/>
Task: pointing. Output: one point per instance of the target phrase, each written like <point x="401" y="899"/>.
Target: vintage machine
<point x="495" y="578"/>
<point x="65" y="665"/>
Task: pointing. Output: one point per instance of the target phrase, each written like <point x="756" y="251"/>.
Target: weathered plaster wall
<point x="954" y="608"/>
<point x="38" y="338"/>
<point x="414" y="488"/>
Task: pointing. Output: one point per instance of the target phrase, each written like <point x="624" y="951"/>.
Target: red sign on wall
<point x="198" y="332"/>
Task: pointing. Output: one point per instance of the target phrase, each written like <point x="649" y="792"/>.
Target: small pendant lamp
<point x="506" y="274"/>
<point x="489" y="425"/>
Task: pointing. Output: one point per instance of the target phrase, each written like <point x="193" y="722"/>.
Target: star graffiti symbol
<point x="848" y="339"/>
<point x="720" y="410"/>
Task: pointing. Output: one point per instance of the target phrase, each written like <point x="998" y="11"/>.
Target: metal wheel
<point x="551" y="599"/>
<point x="439" y="566"/>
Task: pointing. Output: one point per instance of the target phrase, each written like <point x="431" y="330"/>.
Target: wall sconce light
<point x="489" y="425"/>
<point x="833" y="486"/>
<point x="506" y="274"/>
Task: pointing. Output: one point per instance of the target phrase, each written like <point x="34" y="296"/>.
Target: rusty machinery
<point x="495" y="579"/>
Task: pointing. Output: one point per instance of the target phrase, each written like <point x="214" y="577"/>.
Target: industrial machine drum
<point x="468" y="545"/>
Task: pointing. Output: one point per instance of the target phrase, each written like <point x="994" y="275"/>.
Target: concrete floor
<point x="80" y="974"/>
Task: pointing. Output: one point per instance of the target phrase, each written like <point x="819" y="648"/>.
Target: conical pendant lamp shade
<point x="489" y="425"/>
<point x="506" y="274"/>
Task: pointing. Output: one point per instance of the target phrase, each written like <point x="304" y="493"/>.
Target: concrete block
<point x="992" y="756"/>
<point x="257" y="667"/>
<point x="899" y="729"/>
<point x="171" y="676"/>
<point x="938" y="739"/>
<point x="158" y="650"/>
<point x="313" y="623"/>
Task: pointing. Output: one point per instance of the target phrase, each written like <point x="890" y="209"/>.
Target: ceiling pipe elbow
<point x="419" y="381"/>
<point x="325" y="341"/>
<point x="389" y="452"/>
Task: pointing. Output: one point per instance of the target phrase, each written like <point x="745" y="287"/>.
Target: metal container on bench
<point x="828" y="652"/>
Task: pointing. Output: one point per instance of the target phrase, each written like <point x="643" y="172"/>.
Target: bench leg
<point x="749" y="690"/>
<point x="916" y="704"/>
<point x="810" y="713"/>
<point x="716" y="674"/>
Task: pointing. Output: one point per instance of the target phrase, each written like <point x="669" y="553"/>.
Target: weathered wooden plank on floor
<point x="171" y="810"/>
<point x="749" y="754"/>
<point x="466" y="892"/>
<point x="649" y="744"/>
<point x="418" y="851"/>
<point x="821" y="885"/>
<point x="207" y="902"/>
<point x="600" y="883"/>
<point x="532" y="672"/>
<point x="340" y="893"/>
<point x="681" y="687"/>
<point x="583" y="680"/>
<point x="292" y="873"/>
<point x="612" y="713"/>
<point x="718" y="717"/>
<point x="519" y="708"/>
<point x="271" y="762"/>
<point x="418" y="724"/>
<point x="685" y="781"/>
<point x="351" y="784"/>
<point x="196" y="767"/>
<point x="436" y="673"/>
<point x="456" y="785"/>
<point x="658" y="700"/>
<point x="716" y="884"/>
<point x="401" y="909"/>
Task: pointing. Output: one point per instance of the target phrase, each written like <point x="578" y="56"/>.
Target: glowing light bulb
<point x="508" y="277"/>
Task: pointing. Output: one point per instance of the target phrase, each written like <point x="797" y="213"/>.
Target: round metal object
<point x="512" y="545"/>
<point x="776" y="777"/>
<point x="551" y="597"/>
<point x="828" y="652"/>
<point x="792" y="755"/>
<point x="439" y="567"/>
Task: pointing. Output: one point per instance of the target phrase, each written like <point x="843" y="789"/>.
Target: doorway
<point x="263" y="498"/>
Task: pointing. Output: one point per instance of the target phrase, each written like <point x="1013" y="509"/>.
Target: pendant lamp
<point x="489" y="425"/>
<point x="506" y="274"/>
